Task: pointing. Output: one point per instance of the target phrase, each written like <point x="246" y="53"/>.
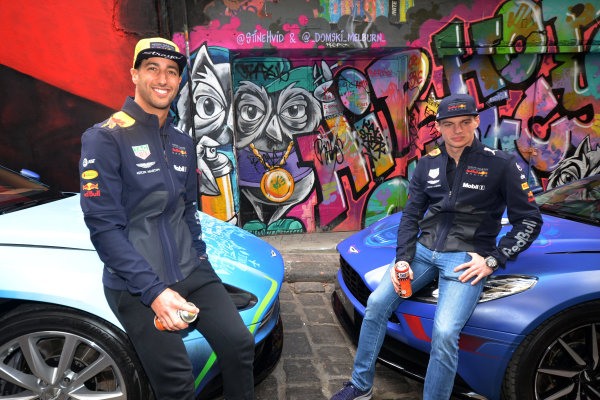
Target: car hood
<point x="55" y="224"/>
<point x="375" y="247"/>
<point x="51" y="243"/>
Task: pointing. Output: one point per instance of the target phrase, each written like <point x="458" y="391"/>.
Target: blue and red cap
<point x="456" y="105"/>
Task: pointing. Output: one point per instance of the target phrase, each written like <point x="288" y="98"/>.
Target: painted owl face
<point x="212" y="108"/>
<point x="269" y="120"/>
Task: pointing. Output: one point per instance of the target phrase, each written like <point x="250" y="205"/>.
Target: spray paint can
<point x="186" y="316"/>
<point x="402" y="274"/>
<point x="220" y="205"/>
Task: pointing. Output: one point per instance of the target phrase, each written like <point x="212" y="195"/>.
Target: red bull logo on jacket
<point x="119" y="119"/>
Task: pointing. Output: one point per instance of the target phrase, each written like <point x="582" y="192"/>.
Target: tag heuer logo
<point x="434" y="173"/>
<point x="142" y="151"/>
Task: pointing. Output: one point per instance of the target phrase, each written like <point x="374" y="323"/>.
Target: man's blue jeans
<point x="456" y="303"/>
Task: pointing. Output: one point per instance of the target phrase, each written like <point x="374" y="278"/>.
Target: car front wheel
<point x="559" y="359"/>
<point x="50" y="352"/>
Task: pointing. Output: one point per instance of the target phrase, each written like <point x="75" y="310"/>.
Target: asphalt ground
<point x="317" y="354"/>
<point x="309" y="257"/>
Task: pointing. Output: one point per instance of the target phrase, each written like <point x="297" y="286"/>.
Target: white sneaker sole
<point x="366" y="396"/>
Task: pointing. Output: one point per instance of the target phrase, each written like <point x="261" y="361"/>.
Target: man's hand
<point x="475" y="268"/>
<point x="395" y="281"/>
<point x="165" y="307"/>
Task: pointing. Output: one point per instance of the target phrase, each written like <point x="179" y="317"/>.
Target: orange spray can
<point x="186" y="316"/>
<point x="403" y="275"/>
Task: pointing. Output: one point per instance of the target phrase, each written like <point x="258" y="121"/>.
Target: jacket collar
<point x="134" y="110"/>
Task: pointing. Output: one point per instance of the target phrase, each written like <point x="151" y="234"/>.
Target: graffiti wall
<point x="323" y="132"/>
<point x="311" y="116"/>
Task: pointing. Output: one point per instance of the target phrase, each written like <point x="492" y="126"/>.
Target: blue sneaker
<point x="350" y="392"/>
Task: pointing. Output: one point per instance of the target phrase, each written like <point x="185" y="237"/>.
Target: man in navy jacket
<point x="448" y="231"/>
<point x="139" y="198"/>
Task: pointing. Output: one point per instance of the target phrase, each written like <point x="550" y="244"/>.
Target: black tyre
<point x="559" y="359"/>
<point x="50" y="352"/>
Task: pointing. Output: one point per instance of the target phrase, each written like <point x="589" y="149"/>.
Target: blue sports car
<point x="58" y="337"/>
<point x="535" y="333"/>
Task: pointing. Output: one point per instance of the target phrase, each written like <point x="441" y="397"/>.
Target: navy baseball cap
<point x="456" y="105"/>
<point x="158" y="47"/>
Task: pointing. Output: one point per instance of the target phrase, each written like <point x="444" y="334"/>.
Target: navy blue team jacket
<point x="139" y="199"/>
<point x="467" y="216"/>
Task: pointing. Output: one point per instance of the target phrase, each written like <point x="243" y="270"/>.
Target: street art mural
<point x="272" y="111"/>
<point x="204" y="110"/>
<point x="327" y="140"/>
<point x="311" y="116"/>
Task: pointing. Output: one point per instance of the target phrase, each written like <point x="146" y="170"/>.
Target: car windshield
<point x="18" y="192"/>
<point x="578" y="201"/>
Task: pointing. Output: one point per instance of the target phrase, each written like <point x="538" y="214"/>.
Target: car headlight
<point x="268" y="314"/>
<point x="496" y="287"/>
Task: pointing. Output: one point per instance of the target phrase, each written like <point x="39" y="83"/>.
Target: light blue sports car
<point x="58" y="337"/>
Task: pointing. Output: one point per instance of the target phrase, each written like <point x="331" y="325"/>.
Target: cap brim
<point x="474" y="114"/>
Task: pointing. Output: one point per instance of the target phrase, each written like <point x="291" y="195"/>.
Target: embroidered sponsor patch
<point x="434" y="173"/>
<point x="525" y="186"/>
<point x="490" y="150"/>
<point x="90" y="186"/>
<point x="522" y="238"/>
<point x="89" y="174"/>
<point x="147" y="171"/>
<point x="434" y="152"/>
<point x="433" y="182"/>
<point x="457" y="107"/>
<point x="180" y="168"/>
<point x="477" y="171"/>
<point x="119" y="119"/>
<point x="85" y="162"/>
<point x="530" y="196"/>
<point x="473" y="186"/>
<point x="146" y="164"/>
<point x="179" y="150"/>
<point x="92" y="194"/>
<point x="142" y="151"/>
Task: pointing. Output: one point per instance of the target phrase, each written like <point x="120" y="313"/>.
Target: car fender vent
<point x="242" y="299"/>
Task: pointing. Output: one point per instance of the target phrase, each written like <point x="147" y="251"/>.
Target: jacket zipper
<point x="442" y="232"/>
<point x="170" y="262"/>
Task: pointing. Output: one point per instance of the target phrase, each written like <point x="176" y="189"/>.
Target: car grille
<point x="354" y="282"/>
